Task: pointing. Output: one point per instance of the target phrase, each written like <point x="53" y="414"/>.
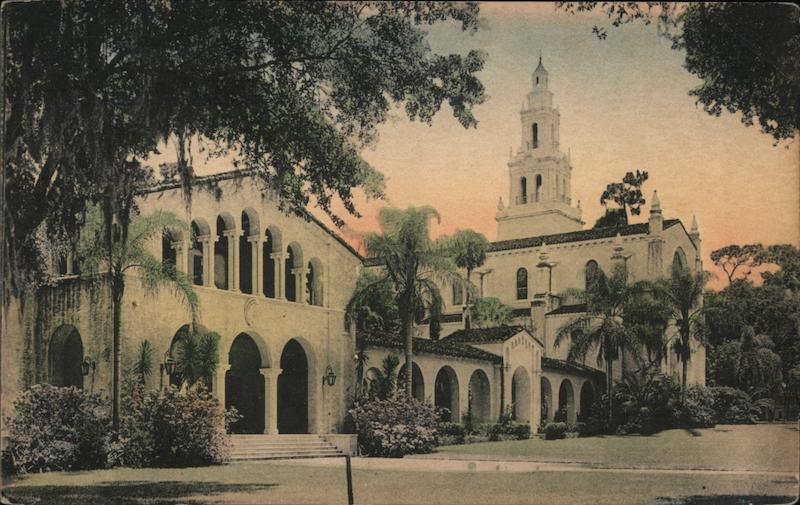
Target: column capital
<point x="230" y="233"/>
<point x="203" y="238"/>
<point x="254" y="238"/>
<point x="223" y="367"/>
<point x="270" y="373"/>
<point x="299" y="270"/>
<point x="277" y="255"/>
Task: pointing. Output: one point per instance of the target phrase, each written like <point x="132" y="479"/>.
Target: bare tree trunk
<point x="407" y="311"/>
<point x="117" y="291"/>
<point x="684" y="376"/>
<point x="610" y="391"/>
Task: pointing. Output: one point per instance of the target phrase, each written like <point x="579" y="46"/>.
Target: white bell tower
<point x="540" y="200"/>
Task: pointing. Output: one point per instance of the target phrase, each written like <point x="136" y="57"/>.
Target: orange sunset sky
<point x="624" y="106"/>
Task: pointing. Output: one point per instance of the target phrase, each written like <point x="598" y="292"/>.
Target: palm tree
<point x="606" y="298"/>
<point x="125" y="253"/>
<point x="469" y="252"/>
<point x="196" y="356"/>
<point x="143" y="366"/>
<point x="411" y="262"/>
<point x="682" y="294"/>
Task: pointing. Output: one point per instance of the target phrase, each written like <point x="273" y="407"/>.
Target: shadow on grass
<point x="129" y="493"/>
<point x="728" y="500"/>
<point x="693" y="432"/>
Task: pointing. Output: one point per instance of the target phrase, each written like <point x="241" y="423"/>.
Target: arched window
<point x="535" y="132"/>
<point x="314" y="283"/>
<point x="458" y="294"/>
<point x="522" y="284"/>
<point x="591" y="270"/>
<point x="679" y="259"/>
<point x="538" y="187"/>
<point x="523" y="189"/>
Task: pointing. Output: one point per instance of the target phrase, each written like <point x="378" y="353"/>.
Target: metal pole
<point x="349" y="480"/>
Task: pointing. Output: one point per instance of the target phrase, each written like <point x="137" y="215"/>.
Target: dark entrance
<point x="293" y="390"/>
<point x="65" y="355"/>
<point x="244" y="385"/>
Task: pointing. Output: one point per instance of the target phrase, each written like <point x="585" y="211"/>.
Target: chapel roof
<point x="486" y="335"/>
<point x="569" y="366"/>
<point x="428" y="346"/>
<point x="568" y="309"/>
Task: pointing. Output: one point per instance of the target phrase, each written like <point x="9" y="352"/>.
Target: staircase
<point x="252" y="447"/>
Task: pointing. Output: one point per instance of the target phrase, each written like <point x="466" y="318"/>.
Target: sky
<point x="624" y="106"/>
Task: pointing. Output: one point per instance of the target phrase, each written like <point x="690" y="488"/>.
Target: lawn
<point x="763" y="447"/>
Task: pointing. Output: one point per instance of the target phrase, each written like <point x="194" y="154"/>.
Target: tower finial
<point x="695" y="229"/>
<point x="655" y="204"/>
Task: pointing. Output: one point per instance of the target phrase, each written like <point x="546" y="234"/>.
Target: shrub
<point x="58" y="428"/>
<point x="555" y="431"/>
<point x="455" y="432"/>
<point x="560" y="416"/>
<point x="395" y="427"/>
<point x="579" y="428"/>
<point x="697" y="408"/>
<point x="495" y="432"/>
<point x="734" y="406"/>
<point x="173" y="429"/>
<point x="520" y="431"/>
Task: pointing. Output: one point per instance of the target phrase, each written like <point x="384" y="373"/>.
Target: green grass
<point x="770" y="447"/>
<point x="761" y="447"/>
<point x="273" y="482"/>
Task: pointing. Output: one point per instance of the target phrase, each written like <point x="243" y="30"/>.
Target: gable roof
<point x="569" y="366"/>
<point x="427" y="346"/>
<point x="239" y="174"/>
<point x="487" y="335"/>
<point x="575" y="236"/>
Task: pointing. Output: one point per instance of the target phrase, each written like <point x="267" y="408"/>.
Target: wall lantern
<point x="87" y="365"/>
<point x="329" y="377"/>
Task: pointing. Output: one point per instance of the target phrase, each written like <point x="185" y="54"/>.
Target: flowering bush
<point x="451" y="433"/>
<point x="58" y="428"/>
<point x="172" y="429"/>
<point x="395" y="427"/>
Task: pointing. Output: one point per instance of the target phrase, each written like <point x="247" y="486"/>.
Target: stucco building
<point x="275" y="287"/>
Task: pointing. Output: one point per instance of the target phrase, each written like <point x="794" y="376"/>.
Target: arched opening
<point x="458" y="293"/>
<point x="190" y="355"/>
<point x="168" y="253"/>
<point x="538" y="187"/>
<point x="479" y="397"/>
<point x="535" y="135"/>
<point x="679" y="259"/>
<point x="222" y="257"/>
<point x="200" y="233"/>
<point x="547" y="400"/>
<point x="590" y="273"/>
<point x="314" y="292"/>
<point x="244" y="385"/>
<point x="522" y="284"/>
<point x="250" y="229"/>
<point x="523" y="190"/>
<point x="446" y="393"/>
<point x="64" y="357"/>
<point x="417" y="382"/>
<point x="293" y="389"/>
<point x="566" y="401"/>
<point x="272" y="244"/>
<point x="587" y="399"/>
<point x="521" y="395"/>
<point x="294" y="260"/>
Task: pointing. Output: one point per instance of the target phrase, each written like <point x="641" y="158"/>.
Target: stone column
<point x="463" y="401"/>
<point x="280" y="282"/>
<point x="70" y="259"/>
<point x="233" y="259"/>
<point x="181" y="256"/>
<point x="271" y="399"/>
<point x="219" y="382"/>
<point x="300" y="283"/>
<point x="508" y="379"/>
<point x="208" y="260"/>
<point x="257" y="282"/>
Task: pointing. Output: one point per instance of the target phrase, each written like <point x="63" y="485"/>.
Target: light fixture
<point x="329" y="377"/>
<point x="87" y="365"/>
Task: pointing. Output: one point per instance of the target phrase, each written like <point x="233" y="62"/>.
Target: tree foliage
<point x="747" y="55"/>
<point x="490" y="312"/>
<point x="469" y="252"/>
<point x="627" y="195"/>
<point x="733" y="258"/>
<point x="289" y="90"/>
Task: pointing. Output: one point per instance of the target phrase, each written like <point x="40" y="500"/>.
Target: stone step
<point x="282" y="449"/>
<point x="256" y="447"/>
<point x="284" y="456"/>
<point x="288" y="451"/>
